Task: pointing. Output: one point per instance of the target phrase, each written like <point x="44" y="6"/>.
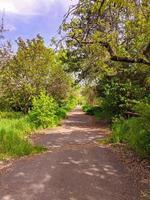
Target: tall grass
<point x="134" y="133"/>
<point x="13" y="135"/>
<point x="15" y="127"/>
<point x="10" y="115"/>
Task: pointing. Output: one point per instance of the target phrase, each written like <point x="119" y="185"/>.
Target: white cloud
<point x="31" y="7"/>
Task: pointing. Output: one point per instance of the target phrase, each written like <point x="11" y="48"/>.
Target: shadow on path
<point x="76" y="168"/>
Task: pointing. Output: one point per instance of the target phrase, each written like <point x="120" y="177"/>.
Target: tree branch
<point x="130" y="60"/>
<point x="146" y="51"/>
<point x="116" y="58"/>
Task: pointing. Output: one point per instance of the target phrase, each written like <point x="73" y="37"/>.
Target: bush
<point x="118" y="96"/>
<point x="92" y="110"/>
<point x="65" y="107"/>
<point x="135" y="131"/>
<point x="61" y="113"/>
<point x="44" y="111"/>
<point x="86" y="107"/>
<point x="70" y="103"/>
<point x="14" y="126"/>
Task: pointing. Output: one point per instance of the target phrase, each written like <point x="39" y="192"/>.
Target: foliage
<point x="66" y="106"/>
<point x="108" y="46"/>
<point x="24" y="76"/>
<point x="70" y="104"/>
<point x="46" y="112"/>
<point x="15" y="127"/>
<point x="92" y="110"/>
<point x="13" y="132"/>
<point x="59" y="84"/>
<point x="119" y="96"/>
<point x="105" y="34"/>
<point x="86" y="107"/>
<point x="34" y="68"/>
<point x="90" y="94"/>
<point x="61" y="113"/>
<point x="135" y="131"/>
<point x="10" y="115"/>
<point x="43" y="113"/>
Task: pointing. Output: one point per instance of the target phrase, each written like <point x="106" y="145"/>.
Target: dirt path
<point x="75" y="168"/>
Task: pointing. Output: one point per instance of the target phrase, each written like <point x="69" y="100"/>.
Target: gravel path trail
<point x="74" y="168"/>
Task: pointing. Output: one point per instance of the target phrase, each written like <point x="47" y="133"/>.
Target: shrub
<point x="92" y="110"/>
<point x="14" y="126"/>
<point x="44" y="111"/>
<point x="119" y="96"/>
<point x="86" y="107"/>
<point x="61" y="113"/>
<point x="70" y="103"/>
<point x="135" y="131"/>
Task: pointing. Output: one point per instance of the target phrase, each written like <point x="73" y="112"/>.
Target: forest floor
<point x="75" y="167"/>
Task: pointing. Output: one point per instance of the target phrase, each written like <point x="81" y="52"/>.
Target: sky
<point x="27" y="18"/>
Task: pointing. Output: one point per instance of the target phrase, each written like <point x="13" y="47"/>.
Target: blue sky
<point x="27" y="18"/>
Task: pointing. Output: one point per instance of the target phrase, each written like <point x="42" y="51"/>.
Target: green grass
<point x="11" y="115"/>
<point x="14" y="129"/>
<point x="135" y="132"/>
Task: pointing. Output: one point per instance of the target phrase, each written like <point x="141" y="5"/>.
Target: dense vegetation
<point x="135" y="131"/>
<point x="106" y="50"/>
<point x="36" y="92"/>
<point x="108" y="45"/>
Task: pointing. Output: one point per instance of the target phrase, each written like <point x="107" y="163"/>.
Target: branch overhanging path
<point x="143" y="59"/>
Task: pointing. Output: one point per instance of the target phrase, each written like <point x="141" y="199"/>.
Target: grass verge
<point x="14" y="129"/>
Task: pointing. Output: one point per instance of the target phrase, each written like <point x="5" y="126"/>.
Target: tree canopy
<point x="33" y="69"/>
<point x="103" y="33"/>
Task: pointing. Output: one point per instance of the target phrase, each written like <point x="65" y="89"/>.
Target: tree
<point x="33" y="69"/>
<point x="109" y="32"/>
<point x="108" y="42"/>
<point x="5" y="54"/>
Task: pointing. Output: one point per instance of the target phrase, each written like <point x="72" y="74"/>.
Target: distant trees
<point x="33" y="69"/>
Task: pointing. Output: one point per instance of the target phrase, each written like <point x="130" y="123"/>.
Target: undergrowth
<point x="13" y="137"/>
<point x="15" y="126"/>
<point x="135" y="131"/>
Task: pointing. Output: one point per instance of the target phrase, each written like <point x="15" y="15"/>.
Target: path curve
<point x="74" y="168"/>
